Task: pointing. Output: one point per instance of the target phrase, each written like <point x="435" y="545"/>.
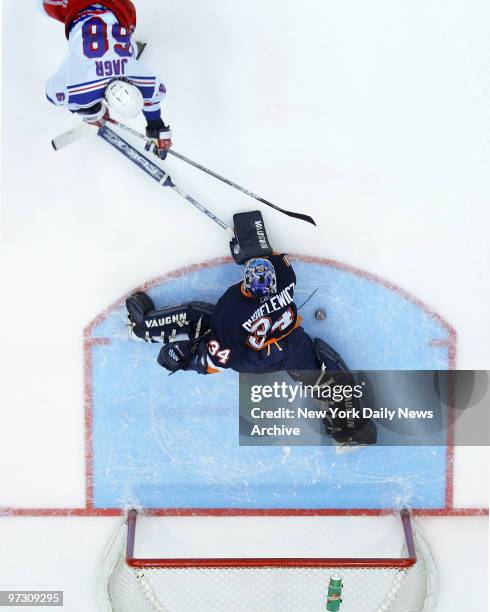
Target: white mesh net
<point x="269" y="589"/>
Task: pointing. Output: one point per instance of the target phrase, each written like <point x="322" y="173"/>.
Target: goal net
<point x="209" y="564"/>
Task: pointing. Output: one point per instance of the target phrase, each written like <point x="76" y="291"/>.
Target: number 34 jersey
<point x="100" y="50"/>
<point x="245" y="328"/>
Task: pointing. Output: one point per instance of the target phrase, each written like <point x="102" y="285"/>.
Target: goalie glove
<point x="185" y="355"/>
<point x="175" y="356"/>
<point x="95" y="115"/>
<point x="160" y="136"/>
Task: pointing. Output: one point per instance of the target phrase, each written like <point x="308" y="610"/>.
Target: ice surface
<point x="372" y="117"/>
<point x="163" y="441"/>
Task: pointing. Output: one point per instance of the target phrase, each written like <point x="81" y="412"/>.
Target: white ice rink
<point x="373" y="117"/>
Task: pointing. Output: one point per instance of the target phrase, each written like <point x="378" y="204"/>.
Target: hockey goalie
<point x="254" y="327"/>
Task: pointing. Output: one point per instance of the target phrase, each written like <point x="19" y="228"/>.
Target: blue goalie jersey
<point x="246" y="329"/>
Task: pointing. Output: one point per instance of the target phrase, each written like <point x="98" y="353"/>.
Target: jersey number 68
<point x="96" y="42"/>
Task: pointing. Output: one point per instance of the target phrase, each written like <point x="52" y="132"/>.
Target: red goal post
<point x="406" y="583"/>
<point x="400" y="563"/>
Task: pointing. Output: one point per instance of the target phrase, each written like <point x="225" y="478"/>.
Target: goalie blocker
<point x="250" y="237"/>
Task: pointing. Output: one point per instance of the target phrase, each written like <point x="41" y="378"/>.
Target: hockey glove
<point x="95" y="115"/>
<point x="185" y="355"/>
<point x="199" y="361"/>
<point x="175" y="356"/>
<point x="161" y="137"/>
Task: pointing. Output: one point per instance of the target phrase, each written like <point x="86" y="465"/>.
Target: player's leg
<point x="139" y="305"/>
<point x="330" y="369"/>
<point x="301" y="360"/>
<point x="185" y="321"/>
<point x="360" y="431"/>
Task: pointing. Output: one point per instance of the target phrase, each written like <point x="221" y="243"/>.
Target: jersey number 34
<point x="262" y="327"/>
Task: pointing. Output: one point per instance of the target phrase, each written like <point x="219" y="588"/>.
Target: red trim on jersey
<point x="124" y="10"/>
<point x="66" y="12"/>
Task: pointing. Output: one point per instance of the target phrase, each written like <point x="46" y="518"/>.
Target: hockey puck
<point x="320" y="314"/>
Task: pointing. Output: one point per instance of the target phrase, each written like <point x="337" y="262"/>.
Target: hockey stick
<point x="77" y="133"/>
<point x="307" y="299"/>
<point x="68" y="138"/>
<point x="185" y="159"/>
<point x="159" y="175"/>
<point x="85" y="129"/>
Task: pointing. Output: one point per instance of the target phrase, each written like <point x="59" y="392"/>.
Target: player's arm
<point x="156" y="130"/>
<point x="57" y="93"/>
<point x="284" y="270"/>
<point x="56" y="90"/>
<point x="215" y="351"/>
<point x="191" y="356"/>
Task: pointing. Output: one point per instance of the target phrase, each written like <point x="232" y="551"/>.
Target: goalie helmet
<point x="260" y="278"/>
<point x="124" y="98"/>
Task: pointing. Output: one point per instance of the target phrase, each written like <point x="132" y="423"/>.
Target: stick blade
<point x="68" y="138"/>
<point x="302" y="217"/>
<point x="289" y="213"/>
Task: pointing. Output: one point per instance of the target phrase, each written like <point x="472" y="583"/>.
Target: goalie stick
<point x="64" y="140"/>
<point x="159" y="175"/>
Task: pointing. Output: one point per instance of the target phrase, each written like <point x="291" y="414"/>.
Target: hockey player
<point x="254" y="327"/>
<point x="101" y="72"/>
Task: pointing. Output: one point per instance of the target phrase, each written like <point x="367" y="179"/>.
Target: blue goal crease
<point x="172" y="442"/>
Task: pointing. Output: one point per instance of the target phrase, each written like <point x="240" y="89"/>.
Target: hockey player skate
<point x="366" y="436"/>
<point x="138" y="306"/>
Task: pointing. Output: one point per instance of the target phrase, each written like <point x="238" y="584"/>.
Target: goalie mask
<point x="260" y="278"/>
<point x="124" y="98"/>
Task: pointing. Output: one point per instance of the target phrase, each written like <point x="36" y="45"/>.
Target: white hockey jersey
<point x="100" y="50"/>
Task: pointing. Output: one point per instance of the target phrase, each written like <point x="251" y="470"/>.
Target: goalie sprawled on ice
<point x="254" y="327"/>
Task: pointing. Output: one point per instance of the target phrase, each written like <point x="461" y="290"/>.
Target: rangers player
<point x="101" y="72"/>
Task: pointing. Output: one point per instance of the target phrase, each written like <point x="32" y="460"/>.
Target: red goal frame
<point x="277" y="562"/>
